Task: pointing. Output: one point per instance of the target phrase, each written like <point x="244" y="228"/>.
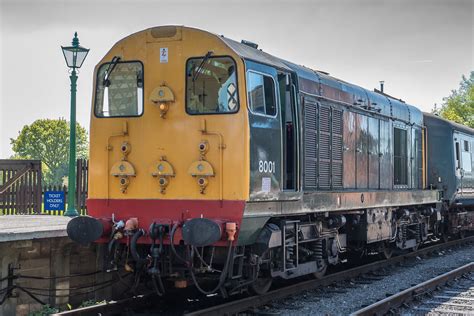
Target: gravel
<point x="349" y="296"/>
<point x="456" y="298"/>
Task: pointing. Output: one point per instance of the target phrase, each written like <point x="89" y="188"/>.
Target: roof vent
<point x="250" y="44"/>
<point x="164" y="31"/>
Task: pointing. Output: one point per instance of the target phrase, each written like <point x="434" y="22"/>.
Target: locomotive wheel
<point x="322" y="267"/>
<point x="261" y="285"/>
<point x="415" y="248"/>
<point x="387" y="251"/>
<point x="445" y="236"/>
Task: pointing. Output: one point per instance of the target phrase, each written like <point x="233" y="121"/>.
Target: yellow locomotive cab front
<point x="169" y="129"/>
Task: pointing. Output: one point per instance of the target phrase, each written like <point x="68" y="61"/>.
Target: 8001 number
<point x="265" y="166"/>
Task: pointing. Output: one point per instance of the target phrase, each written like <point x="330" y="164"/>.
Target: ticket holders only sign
<point x="54" y="201"/>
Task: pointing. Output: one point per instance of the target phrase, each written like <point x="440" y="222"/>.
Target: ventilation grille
<point x="323" y="146"/>
<point x="310" y="145"/>
<point x="324" y="175"/>
<point x="325" y="119"/>
<point x="337" y="149"/>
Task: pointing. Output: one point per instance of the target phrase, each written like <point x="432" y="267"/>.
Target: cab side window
<point x="466" y="156"/>
<point x="211" y="85"/>
<point x="261" y="94"/>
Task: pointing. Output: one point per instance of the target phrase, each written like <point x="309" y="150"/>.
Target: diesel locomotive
<point x="217" y="165"/>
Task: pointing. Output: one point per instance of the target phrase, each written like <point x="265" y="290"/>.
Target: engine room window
<point x="400" y="155"/>
<point x="261" y="94"/>
<point x="119" y="89"/>
<point x="211" y="85"/>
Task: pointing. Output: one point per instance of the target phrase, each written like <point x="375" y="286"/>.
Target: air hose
<point x="173" y="249"/>
<point x="204" y="262"/>
<point x="158" y="286"/>
<point x="112" y="245"/>
<point x="221" y="278"/>
<point x="133" y="245"/>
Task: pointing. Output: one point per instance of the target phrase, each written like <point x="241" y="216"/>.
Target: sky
<point x="419" y="48"/>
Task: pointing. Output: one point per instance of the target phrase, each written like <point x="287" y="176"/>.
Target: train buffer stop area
<point x="39" y="264"/>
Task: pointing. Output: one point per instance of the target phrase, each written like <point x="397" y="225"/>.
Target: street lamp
<point x="74" y="56"/>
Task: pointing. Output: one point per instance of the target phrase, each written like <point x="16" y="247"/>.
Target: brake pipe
<point x="133" y="245"/>
<point x="173" y="249"/>
<point x="222" y="276"/>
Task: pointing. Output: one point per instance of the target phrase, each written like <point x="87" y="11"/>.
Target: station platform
<point x="28" y="227"/>
<point x="37" y="246"/>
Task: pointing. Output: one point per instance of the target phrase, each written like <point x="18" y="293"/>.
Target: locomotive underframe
<point x="256" y="214"/>
<point x="286" y="247"/>
<point x="459" y="220"/>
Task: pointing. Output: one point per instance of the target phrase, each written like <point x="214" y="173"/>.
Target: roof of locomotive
<point x="321" y="83"/>
<point x="448" y="124"/>
<point x="331" y="87"/>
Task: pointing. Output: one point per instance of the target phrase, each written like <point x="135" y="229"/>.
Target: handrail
<point x="221" y="146"/>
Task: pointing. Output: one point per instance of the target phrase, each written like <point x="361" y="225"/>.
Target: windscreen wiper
<point x="109" y="70"/>
<point x="201" y="65"/>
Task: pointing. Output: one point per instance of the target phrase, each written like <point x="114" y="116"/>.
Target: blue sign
<point x="54" y="201"/>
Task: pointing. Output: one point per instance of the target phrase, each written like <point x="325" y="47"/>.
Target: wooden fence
<point x="22" y="192"/>
<point x="20" y="186"/>
<point x="81" y="185"/>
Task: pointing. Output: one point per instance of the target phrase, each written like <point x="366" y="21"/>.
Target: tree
<point x="459" y="106"/>
<point x="48" y="141"/>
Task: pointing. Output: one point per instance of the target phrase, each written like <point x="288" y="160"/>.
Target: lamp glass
<point x="74" y="56"/>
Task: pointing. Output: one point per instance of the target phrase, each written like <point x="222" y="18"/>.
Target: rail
<point x="247" y="303"/>
<point x="396" y="300"/>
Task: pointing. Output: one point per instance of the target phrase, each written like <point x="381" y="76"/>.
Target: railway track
<point x="253" y="302"/>
<point x="457" y="298"/>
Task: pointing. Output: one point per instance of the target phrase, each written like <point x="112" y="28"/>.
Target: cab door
<point x="265" y="131"/>
<point x="463" y="162"/>
<point x="289" y="132"/>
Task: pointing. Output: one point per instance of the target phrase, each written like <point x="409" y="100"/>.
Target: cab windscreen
<point x="211" y="85"/>
<point x="119" y="89"/>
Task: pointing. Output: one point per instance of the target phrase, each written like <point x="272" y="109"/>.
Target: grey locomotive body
<point x="335" y="168"/>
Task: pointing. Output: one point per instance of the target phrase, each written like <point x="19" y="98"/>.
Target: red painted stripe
<point x="166" y="211"/>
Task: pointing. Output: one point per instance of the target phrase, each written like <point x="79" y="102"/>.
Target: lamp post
<point x="74" y="56"/>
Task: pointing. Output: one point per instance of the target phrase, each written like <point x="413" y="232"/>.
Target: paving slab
<point x="27" y="227"/>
